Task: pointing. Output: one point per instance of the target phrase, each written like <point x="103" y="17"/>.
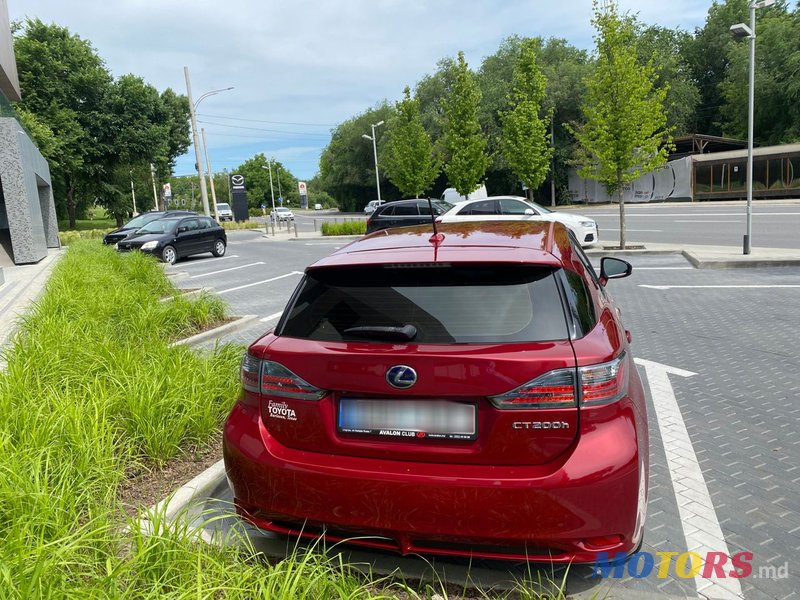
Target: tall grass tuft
<point x="346" y="228"/>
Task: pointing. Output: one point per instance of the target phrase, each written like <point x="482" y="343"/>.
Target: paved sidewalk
<point x="23" y="285"/>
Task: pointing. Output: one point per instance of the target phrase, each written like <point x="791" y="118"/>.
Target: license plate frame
<point x="408" y="419"/>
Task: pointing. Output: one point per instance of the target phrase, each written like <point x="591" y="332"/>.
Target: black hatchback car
<point x="112" y="237"/>
<point x="172" y="238"/>
<point x="405" y="212"/>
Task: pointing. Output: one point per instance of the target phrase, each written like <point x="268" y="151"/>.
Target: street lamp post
<point x="740" y="30"/>
<point x="195" y="137"/>
<point x="373" y="138"/>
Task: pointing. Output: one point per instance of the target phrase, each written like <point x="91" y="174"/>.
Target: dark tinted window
<point x="406" y="210"/>
<point x="189" y="224"/>
<point x="580" y="303"/>
<point x="446" y="304"/>
<point x="513" y="207"/>
<point x="485" y="207"/>
<point x="206" y="223"/>
<point x="384" y="212"/>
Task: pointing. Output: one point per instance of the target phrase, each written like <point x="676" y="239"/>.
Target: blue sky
<point x="300" y="67"/>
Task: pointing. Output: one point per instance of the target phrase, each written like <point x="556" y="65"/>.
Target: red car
<point x="469" y="393"/>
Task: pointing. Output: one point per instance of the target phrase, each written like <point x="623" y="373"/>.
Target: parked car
<point x="172" y="238"/>
<point x="402" y="213"/>
<point x="516" y="208"/>
<point x="318" y="207"/>
<point x="224" y="212"/>
<point x="471" y="393"/>
<point x="372" y="205"/>
<point x="282" y="214"/>
<point x="143" y="219"/>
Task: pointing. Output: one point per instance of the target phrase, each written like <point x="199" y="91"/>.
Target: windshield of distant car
<point x="282" y="209"/>
<point x="159" y="226"/>
<point x="142" y="220"/>
<point x="540" y="208"/>
<point x="223" y="206"/>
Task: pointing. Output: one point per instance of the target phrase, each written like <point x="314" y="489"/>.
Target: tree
<point x="625" y="131"/>
<point x="465" y="143"/>
<point x="64" y="83"/>
<point x="409" y="159"/>
<point x="524" y="143"/>
<point x="347" y="167"/>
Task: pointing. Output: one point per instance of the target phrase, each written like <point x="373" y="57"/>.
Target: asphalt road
<point x="722" y="373"/>
<point x="775" y="224"/>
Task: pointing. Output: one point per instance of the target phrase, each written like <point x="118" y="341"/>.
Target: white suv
<point x="224" y="212"/>
<point x="282" y="214"/>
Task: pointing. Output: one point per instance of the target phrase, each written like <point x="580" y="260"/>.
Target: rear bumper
<point x="553" y="513"/>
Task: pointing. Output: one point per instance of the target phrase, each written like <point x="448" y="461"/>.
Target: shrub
<point x="345" y="228"/>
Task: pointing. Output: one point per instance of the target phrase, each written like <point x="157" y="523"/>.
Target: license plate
<point x="420" y="419"/>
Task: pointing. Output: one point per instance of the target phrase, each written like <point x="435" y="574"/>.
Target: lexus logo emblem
<point x="401" y="377"/>
<point x="237" y="179"/>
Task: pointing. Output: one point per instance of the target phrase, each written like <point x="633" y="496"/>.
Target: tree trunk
<point x="71" y="205"/>
<point x="621" y="214"/>
<point x="552" y="164"/>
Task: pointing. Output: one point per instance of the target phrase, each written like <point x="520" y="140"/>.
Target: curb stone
<point x="217" y="332"/>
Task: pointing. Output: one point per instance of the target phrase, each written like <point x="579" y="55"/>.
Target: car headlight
<point x="116" y="246"/>
<point x="149" y="245"/>
<point x="588" y="224"/>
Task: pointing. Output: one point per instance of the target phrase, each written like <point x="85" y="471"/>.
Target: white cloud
<point x="310" y="61"/>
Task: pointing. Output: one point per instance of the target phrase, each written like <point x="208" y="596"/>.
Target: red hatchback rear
<point x="468" y="394"/>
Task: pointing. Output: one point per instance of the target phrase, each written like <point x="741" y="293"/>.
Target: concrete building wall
<point x="9" y="79"/>
<point x="27" y="195"/>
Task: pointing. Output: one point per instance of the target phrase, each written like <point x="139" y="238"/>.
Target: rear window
<point x="443" y="304"/>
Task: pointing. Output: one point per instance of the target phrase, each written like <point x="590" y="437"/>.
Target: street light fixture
<point x="193" y="115"/>
<point x="375" y="153"/>
<point x="741" y="30"/>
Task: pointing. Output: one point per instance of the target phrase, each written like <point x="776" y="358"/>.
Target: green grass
<point x="346" y="228"/>
<point x="92" y="391"/>
<point x="233" y="225"/>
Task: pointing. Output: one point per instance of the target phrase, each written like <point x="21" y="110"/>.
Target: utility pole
<point x="210" y="174"/>
<point x="199" y="162"/>
<point x="375" y="152"/>
<point x="153" y="179"/>
<point x="278" y="173"/>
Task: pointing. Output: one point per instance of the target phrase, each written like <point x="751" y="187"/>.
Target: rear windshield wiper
<point x="405" y="333"/>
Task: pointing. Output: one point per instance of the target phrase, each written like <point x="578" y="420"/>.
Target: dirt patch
<point x="148" y="485"/>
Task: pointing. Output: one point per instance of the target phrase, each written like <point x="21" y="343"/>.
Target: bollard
<point x="272" y="226"/>
<point x="295" y="230"/>
<point x="315" y="224"/>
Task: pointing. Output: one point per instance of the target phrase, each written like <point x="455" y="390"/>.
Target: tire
<point x="168" y="255"/>
<point x="219" y="247"/>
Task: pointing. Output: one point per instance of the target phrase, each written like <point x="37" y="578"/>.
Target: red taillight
<point x="599" y="384"/>
<point x="273" y="379"/>
<point x="555" y="389"/>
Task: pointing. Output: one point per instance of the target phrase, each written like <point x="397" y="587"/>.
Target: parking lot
<point x="717" y="351"/>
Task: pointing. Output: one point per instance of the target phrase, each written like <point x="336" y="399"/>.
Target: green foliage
<point x="625" y="133"/>
<point x="347" y="164"/>
<point x="345" y="228"/>
<point x="465" y="143"/>
<point x="105" y="133"/>
<point x="234" y="226"/>
<point x="525" y="143"/>
<point x="409" y="159"/>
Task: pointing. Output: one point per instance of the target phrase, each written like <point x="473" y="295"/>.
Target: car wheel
<point x="219" y="248"/>
<point x="168" y="255"/>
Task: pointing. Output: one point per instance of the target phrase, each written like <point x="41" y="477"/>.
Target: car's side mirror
<point x="183" y="229"/>
<point x="529" y="212"/>
<point x="613" y="268"/>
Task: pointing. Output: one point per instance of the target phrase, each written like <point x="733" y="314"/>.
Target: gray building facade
<point x="28" y="225"/>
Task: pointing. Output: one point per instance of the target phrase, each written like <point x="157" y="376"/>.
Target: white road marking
<point x="241" y="287"/>
<point x="277" y="315"/>
<point x="736" y="214"/>
<point x="709" y="221"/>
<point x="716" y="287"/>
<point x="663" y="268"/>
<point x="226" y="270"/>
<point x="688" y="482"/>
<point x="201" y="262"/>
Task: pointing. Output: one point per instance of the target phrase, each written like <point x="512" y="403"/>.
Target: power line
<point x="263" y="121"/>
<point x="325" y="135"/>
